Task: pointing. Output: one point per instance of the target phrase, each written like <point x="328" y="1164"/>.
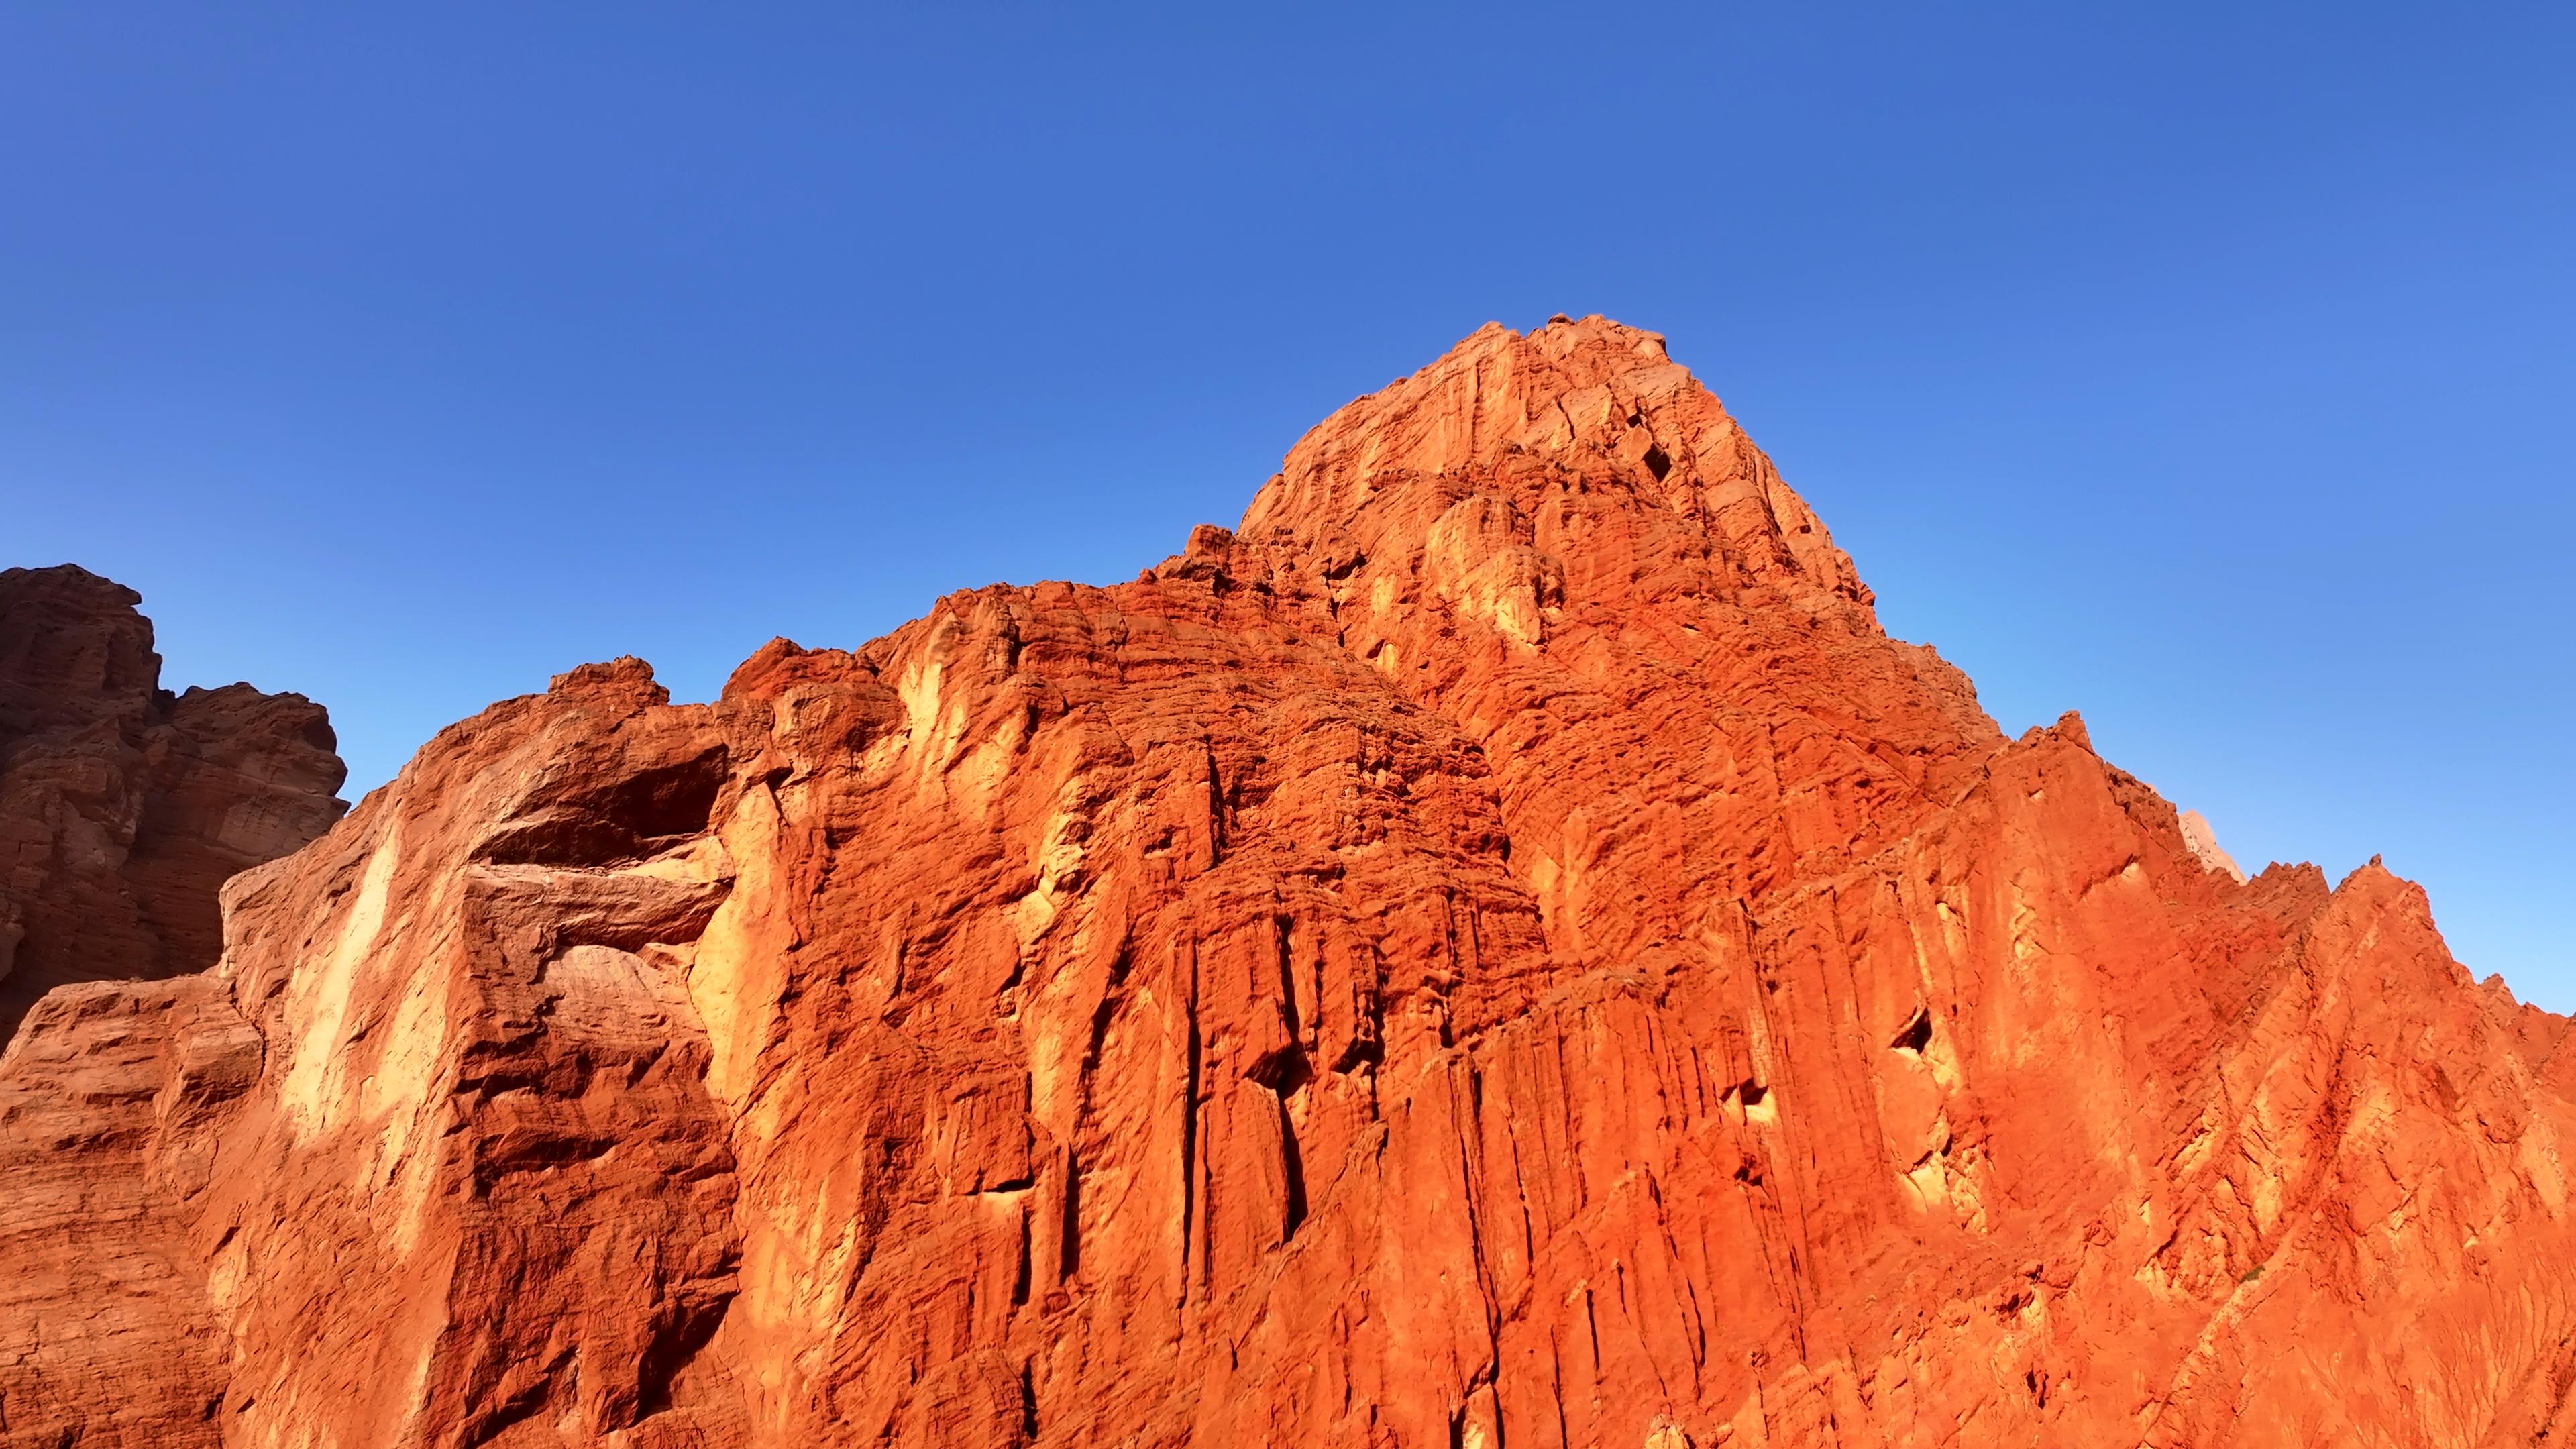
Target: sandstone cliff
<point x="123" y="807"/>
<point x="1498" y="950"/>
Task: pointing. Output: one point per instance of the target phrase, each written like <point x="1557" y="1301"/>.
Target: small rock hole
<point x="1659" y="461"/>
<point x="1917" y="1033"/>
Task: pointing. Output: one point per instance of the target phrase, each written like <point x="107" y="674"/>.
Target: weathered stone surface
<point x="1501" y="949"/>
<point x="123" y="808"/>
<point x="2203" y="844"/>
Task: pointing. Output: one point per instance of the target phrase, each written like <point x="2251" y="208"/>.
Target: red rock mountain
<point x="123" y="807"/>
<point x="1500" y="949"/>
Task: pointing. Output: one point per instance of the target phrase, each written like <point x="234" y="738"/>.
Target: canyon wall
<point x="1499" y="949"/>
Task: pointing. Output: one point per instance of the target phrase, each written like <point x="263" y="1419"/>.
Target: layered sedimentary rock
<point x="123" y="807"/>
<point x="1500" y="949"/>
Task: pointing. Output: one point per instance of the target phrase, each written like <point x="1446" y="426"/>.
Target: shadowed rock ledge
<point x="123" y="807"/>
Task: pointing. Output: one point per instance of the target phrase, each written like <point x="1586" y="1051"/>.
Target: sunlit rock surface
<point x="1498" y="950"/>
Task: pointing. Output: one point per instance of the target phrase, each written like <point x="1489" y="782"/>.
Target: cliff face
<point x="123" y="807"/>
<point x="1499" y="950"/>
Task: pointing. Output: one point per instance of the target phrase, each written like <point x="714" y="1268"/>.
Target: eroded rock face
<point x="123" y="808"/>
<point x="1498" y="950"/>
<point x="2202" y="842"/>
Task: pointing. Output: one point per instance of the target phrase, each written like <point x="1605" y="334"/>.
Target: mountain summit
<point x="1499" y="949"/>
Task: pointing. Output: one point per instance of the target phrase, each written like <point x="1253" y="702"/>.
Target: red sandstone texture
<point x="123" y="807"/>
<point x="1498" y="950"/>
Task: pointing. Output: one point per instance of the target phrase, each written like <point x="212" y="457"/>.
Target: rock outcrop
<point x="2202" y="842"/>
<point x="123" y="807"/>
<point x="1500" y="949"/>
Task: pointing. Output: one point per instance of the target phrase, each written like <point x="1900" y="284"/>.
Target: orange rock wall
<point x="1499" y="950"/>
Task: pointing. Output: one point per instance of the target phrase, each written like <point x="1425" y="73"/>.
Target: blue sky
<point x="2207" y="369"/>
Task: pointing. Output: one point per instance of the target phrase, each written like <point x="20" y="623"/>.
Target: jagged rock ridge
<point x="1500" y="949"/>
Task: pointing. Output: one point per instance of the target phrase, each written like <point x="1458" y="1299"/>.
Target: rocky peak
<point x="2197" y="834"/>
<point x="73" y="651"/>
<point x="1499" y="949"/>
<point x="124" y="807"/>
<point x="1582" y="442"/>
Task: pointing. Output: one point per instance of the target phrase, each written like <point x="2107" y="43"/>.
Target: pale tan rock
<point x="2202" y="842"/>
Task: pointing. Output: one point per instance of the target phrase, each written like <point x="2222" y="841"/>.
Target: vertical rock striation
<point x="1498" y="950"/>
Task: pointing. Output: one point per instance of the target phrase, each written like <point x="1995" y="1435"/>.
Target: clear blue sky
<point x="2207" y="368"/>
